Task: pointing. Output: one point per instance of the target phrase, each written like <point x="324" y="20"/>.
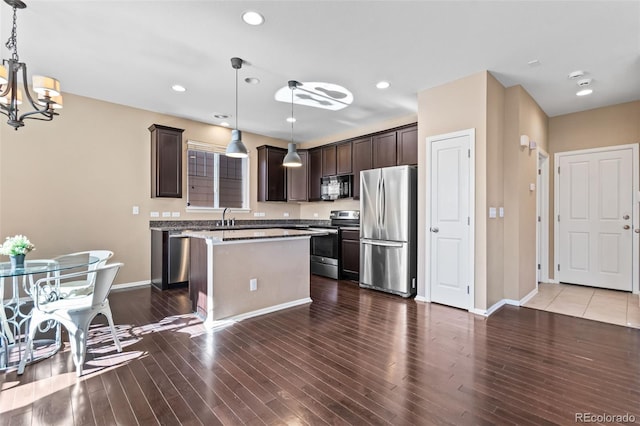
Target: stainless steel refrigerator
<point x="388" y="229"/>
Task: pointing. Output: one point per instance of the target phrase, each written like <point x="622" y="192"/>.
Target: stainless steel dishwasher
<point x="169" y="259"/>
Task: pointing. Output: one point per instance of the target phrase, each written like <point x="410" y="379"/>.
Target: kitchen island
<point x="238" y="274"/>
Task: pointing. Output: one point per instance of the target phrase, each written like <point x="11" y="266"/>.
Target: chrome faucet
<point x="224" y="212"/>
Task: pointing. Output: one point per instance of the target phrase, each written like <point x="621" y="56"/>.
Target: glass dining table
<point x="16" y="289"/>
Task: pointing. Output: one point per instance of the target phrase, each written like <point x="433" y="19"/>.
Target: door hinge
<point x="539" y="171"/>
<point x="558" y="169"/>
<point x="468" y="153"/>
<point x="558" y="266"/>
<point x="539" y="220"/>
<point x="467" y="289"/>
<point x="468" y="220"/>
<point x="538" y="266"/>
<point x="558" y="218"/>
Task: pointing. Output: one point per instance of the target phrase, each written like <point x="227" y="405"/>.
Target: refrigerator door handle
<point x="383" y="203"/>
<point x="378" y="223"/>
<point x="381" y="243"/>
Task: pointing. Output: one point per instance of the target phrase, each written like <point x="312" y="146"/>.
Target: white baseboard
<point x="421" y="299"/>
<point x="552" y="281"/>
<point x="500" y="303"/>
<point x="130" y="285"/>
<point x="216" y="324"/>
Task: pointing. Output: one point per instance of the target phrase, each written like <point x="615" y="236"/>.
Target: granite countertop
<point x="206" y="225"/>
<point x="249" y="234"/>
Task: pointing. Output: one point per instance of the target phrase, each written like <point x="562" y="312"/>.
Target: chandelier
<point x="47" y="89"/>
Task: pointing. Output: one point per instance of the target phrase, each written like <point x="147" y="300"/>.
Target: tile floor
<point x="615" y="307"/>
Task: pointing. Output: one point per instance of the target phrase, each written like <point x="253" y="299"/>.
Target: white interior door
<point x="596" y="218"/>
<point x="450" y="271"/>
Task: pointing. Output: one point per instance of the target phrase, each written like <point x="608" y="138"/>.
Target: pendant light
<point x="236" y="148"/>
<point x="292" y="159"/>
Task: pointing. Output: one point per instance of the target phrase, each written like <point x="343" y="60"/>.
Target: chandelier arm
<point x="27" y="92"/>
<point x="48" y="116"/>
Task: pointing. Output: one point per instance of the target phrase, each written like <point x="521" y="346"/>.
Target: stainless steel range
<point x="325" y="252"/>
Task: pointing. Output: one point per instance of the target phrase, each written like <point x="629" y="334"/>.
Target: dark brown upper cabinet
<point x="166" y="161"/>
<point x="315" y="174"/>
<point x="272" y="175"/>
<point x="408" y="146"/>
<point x="329" y="163"/>
<point x="361" y="161"/>
<point x="384" y="150"/>
<point x="343" y="158"/>
<point x="298" y="179"/>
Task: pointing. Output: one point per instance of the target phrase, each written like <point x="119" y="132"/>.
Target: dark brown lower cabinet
<point x="350" y="255"/>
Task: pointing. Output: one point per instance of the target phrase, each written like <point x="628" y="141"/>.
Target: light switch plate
<point x="501" y="211"/>
<point x="492" y="212"/>
<point x="135" y="210"/>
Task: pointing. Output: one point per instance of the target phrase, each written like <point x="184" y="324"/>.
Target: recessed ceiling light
<point x="584" y="92"/>
<point x="291" y="119"/>
<point x="252" y="80"/>
<point x="225" y="124"/>
<point x="178" y="88"/>
<point x="584" y="82"/>
<point x="221" y="116"/>
<point x="534" y="63"/>
<point x="576" y="74"/>
<point x="252" y="18"/>
<point x="382" y="84"/>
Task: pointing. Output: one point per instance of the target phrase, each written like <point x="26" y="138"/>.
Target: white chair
<point x="74" y="313"/>
<point x="82" y="287"/>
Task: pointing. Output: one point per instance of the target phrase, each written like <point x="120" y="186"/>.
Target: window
<point x="214" y="180"/>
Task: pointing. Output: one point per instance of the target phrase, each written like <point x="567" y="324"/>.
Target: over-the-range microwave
<point x="335" y="187"/>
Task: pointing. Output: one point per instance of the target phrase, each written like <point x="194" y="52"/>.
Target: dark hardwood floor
<point x="351" y="357"/>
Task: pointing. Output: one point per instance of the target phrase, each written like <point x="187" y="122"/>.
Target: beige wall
<point x="495" y="194"/>
<point x="455" y="106"/>
<point x="601" y="127"/>
<point x="522" y="117"/>
<point x="70" y="184"/>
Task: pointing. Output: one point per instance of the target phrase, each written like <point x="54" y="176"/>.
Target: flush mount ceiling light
<point x="178" y="88"/>
<point x="382" y="85"/>
<point x="252" y="18"/>
<point x="534" y="63"/>
<point x="318" y="95"/>
<point x="292" y="159"/>
<point x="236" y="148"/>
<point x="221" y="116"/>
<point x="225" y="124"/>
<point x="47" y="89"/>
<point x="584" y="92"/>
<point x="291" y="119"/>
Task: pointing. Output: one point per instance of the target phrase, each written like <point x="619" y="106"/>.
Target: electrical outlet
<point x="155" y="214"/>
<point x="253" y="284"/>
<point x="256" y="214"/>
<point x="166" y="214"/>
<point x="315" y="215"/>
<point x="135" y="210"/>
<point x="175" y="214"/>
<point x="286" y="214"/>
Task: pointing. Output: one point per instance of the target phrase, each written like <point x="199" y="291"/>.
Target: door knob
<point x="435" y="229"/>
<point x="637" y="230"/>
<point x="626" y="227"/>
<point x="625" y="217"/>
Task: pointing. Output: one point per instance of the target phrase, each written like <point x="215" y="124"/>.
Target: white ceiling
<point x="132" y="52"/>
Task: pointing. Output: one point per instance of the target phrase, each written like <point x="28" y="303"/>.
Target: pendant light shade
<point x="292" y="159"/>
<point x="236" y="148"/>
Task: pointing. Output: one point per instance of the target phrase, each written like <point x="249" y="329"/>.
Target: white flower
<point x="18" y="244"/>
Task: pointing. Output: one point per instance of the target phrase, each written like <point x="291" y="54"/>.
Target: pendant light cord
<point x="236" y="98"/>
<point x="292" y="117"/>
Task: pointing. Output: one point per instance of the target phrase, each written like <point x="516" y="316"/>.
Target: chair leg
<point x="107" y="313"/>
<point x="28" y="349"/>
<point x="78" y="348"/>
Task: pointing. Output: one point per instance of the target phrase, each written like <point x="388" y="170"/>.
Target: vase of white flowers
<point x="16" y="248"/>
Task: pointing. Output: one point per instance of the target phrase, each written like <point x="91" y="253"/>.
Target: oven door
<point x="325" y="245"/>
